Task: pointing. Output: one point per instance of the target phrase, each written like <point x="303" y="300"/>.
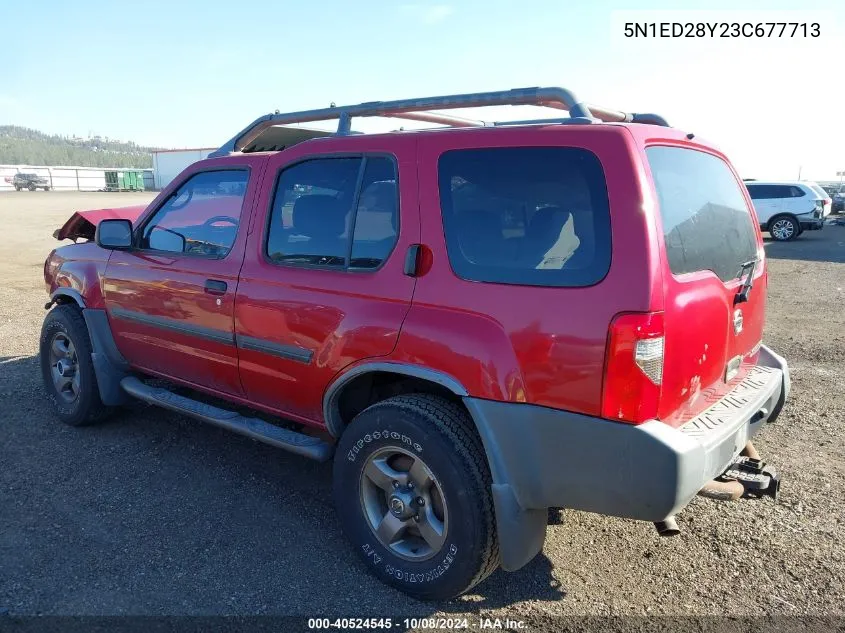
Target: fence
<point x="68" y="178"/>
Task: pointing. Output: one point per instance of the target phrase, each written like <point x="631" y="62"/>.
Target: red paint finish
<point x="699" y="312"/>
<point x="83" y="223"/>
<point x="545" y="346"/>
<point x="340" y="317"/>
<point x="79" y="267"/>
<point x="172" y="287"/>
<point x="521" y="343"/>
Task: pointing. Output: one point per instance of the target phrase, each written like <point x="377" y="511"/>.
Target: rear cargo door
<point x="712" y="247"/>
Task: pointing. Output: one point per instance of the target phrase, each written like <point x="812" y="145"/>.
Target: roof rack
<point x="420" y="110"/>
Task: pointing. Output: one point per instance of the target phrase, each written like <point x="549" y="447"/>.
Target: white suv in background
<point x="787" y="209"/>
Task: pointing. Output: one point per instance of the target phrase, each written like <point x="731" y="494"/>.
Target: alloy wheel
<point x="783" y="229"/>
<point x="64" y="367"/>
<point x="403" y="504"/>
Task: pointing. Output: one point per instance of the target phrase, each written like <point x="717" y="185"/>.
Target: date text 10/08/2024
<point x="483" y="624"/>
<point x="722" y="29"/>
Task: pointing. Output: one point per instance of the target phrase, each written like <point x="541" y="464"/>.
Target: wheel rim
<point x="403" y="504"/>
<point x="64" y="367"/>
<point x="783" y="229"/>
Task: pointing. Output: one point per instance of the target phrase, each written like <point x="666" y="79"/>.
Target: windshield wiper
<point x="748" y="282"/>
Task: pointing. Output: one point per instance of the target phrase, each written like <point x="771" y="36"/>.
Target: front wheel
<point x="784" y="228"/>
<point x="67" y="369"/>
<point x="32" y="187"/>
<point x="412" y="489"/>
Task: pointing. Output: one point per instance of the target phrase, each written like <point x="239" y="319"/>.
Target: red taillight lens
<point x="633" y="370"/>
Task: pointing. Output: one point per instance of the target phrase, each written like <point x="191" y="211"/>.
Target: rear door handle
<point x="215" y="287"/>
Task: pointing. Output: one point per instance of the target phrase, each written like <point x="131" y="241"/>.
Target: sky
<point x="193" y="73"/>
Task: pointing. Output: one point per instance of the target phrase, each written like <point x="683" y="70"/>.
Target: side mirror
<point x="114" y="234"/>
<point x="161" y="239"/>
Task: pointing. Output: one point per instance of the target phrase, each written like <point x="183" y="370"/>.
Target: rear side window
<point x="335" y="212"/>
<point x="529" y="215"/>
<point x="759" y="192"/>
<point x="706" y="223"/>
<point x="774" y="192"/>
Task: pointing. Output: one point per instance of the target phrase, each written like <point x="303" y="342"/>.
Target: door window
<point x="201" y="217"/>
<point x="327" y="212"/>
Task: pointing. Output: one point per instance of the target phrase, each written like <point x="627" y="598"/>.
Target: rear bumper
<point x="815" y="224"/>
<point x="541" y="457"/>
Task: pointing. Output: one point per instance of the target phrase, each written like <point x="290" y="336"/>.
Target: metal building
<point x="169" y="163"/>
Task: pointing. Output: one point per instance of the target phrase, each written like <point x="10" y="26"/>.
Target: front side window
<point x="201" y="217"/>
<point x="534" y="216"/>
<point x="327" y="213"/>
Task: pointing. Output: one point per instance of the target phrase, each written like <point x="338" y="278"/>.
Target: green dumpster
<point x="124" y="180"/>
<point x="111" y="181"/>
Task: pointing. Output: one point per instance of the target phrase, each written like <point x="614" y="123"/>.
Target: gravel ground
<point x="156" y="514"/>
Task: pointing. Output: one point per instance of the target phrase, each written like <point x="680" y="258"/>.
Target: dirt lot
<point x="153" y="513"/>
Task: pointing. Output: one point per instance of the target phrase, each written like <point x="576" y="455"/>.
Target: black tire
<point x="83" y="406"/>
<point x="17" y="188"/>
<point x="440" y="432"/>
<point x="32" y="187"/>
<point x="784" y="228"/>
<point x="46" y="188"/>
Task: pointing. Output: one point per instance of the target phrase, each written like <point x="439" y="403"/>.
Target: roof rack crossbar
<point x="419" y="110"/>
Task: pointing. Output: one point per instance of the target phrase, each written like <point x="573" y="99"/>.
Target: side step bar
<point x="299" y="443"/>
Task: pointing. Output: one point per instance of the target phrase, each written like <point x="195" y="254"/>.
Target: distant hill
<point x="20" y="145"/>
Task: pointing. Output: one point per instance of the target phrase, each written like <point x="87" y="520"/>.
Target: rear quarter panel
<point x="525" y="343"/>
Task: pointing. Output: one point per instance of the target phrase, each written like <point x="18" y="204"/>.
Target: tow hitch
<point x="758" y="479"/>
<point x="746" y="476"/>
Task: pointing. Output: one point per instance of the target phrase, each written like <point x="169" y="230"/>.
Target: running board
<point x="257" y="429"/>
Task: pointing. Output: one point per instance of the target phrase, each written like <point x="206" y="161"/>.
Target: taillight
<point x="633" y="370"/>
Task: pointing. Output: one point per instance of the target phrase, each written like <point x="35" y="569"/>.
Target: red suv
<point x="480" y="322"/>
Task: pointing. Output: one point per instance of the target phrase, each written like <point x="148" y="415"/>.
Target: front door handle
<point x="215" y="287"/>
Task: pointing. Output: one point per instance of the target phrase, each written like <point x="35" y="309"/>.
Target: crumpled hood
<point x="82" y="224"/>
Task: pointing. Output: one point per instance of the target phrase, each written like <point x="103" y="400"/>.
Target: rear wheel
<point x="412" y="489"/>
<point x="67" y="370"/>
<point x="784" y="228"/>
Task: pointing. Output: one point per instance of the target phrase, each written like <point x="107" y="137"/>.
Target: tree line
<point x="20" y="145"/>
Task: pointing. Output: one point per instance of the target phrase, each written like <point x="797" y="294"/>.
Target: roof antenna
<point x="332" y="105"/>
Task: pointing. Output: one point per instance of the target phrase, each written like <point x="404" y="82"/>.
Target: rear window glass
<point x="528" y="215"/>
<point x="818" y="190"/>
<point x="706" y="223"/>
